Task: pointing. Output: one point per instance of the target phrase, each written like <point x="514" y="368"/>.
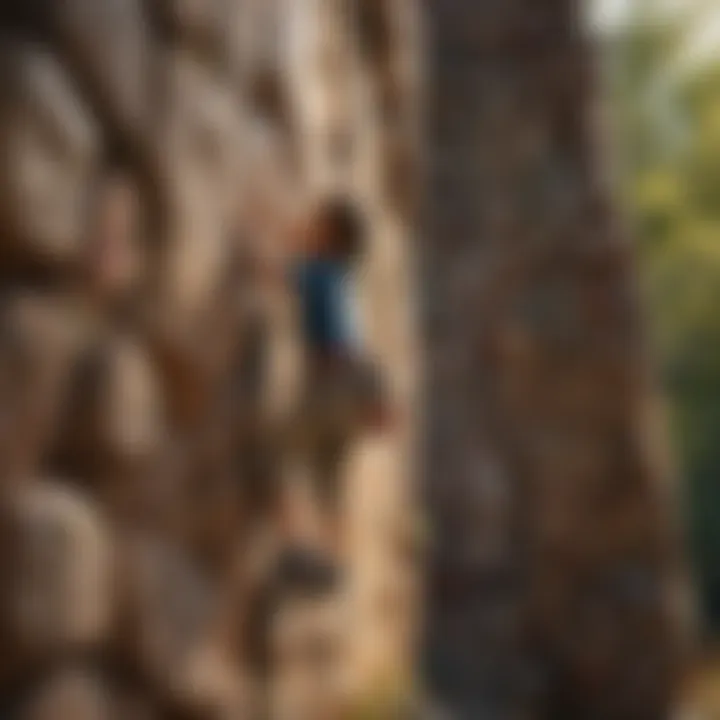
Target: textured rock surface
<point x="554" y="561"/>
<point x="149" y="146"/>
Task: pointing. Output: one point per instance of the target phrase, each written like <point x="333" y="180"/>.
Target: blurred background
<point x="662" y="72"/>
<point x="662" y="69"/>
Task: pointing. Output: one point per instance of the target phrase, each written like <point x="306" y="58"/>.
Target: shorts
<point x="339" y="394"/>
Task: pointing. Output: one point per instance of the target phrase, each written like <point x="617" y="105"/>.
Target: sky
<point x="607" y="13"/>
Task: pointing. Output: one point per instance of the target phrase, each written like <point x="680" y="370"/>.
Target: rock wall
<point x="553" y="586"/>
<point x="151" y="151"/>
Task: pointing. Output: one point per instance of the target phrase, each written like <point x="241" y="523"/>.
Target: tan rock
<point x="107" y="47"/>
<point x="57" y="567"/>
<point x="40" y="338"/>
<point x="69" y="694"/>
<point x="49" y="152"/>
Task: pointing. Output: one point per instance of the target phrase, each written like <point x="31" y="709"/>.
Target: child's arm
<point x="278" y="265"/>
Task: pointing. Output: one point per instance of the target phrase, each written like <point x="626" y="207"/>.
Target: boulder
<point x="167" y="631"/>
<point x="48" y="157"/>
<point x="40" y="338"/>
<point x="57" y="568"/>
<point x="68" y="693"/>
<point x="106" y="45"/>
<point x="199" y="155"/>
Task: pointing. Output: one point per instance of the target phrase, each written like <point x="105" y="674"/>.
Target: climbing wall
<point x="151" y="151"/>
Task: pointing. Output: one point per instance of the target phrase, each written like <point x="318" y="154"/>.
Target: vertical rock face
<point x="551" y="577"/>
<point x="98" y="359"/>
<point x="129" y="131"/>
<point x="45" y="130"/>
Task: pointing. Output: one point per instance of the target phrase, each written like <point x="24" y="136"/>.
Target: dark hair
<point x="345" y="225"/>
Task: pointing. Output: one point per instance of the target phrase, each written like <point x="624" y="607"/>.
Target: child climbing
<point x="324" y="264"/>
<point x="343" y="396"/>
<point x="322" y="267"/>
<point x="316" y="261"/>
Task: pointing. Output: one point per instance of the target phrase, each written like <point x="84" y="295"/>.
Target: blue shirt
<point x="326" y="299"/>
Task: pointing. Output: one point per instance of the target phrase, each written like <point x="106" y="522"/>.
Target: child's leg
<point x="362" y="400"/>
<point x="375" y="397"/>
<point x="304" y="564"/>
<point x="330" y="484"/>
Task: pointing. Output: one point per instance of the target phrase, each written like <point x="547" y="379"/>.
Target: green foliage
<point x="667" y="121"/>
<point x="391" y="699"/>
